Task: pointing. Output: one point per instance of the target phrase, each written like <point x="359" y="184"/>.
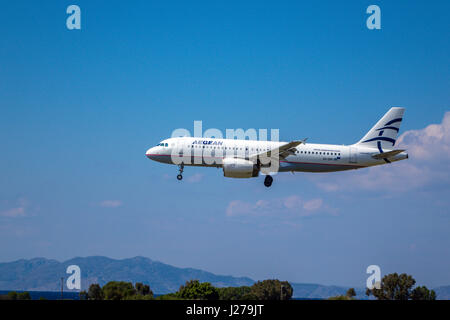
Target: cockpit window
<point x="162" y="144"/>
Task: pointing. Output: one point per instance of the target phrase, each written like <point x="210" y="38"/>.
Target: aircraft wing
<point x="282" y="151"/>
<point x="387" y="154"/>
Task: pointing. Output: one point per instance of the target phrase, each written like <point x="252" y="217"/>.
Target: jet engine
<point x="239" y="168"/>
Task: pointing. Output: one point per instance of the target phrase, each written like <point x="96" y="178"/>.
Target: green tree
<point x="272" y="290"/>
<point x="351" y="293"/>
<point x="118" y="290"/>
<point x="235" y="293"/>
<point x="83" y="295"/>
<point x="12" y="295"/>
<point x="143" y="289"/>
<point x="138" y="297"/>
<point x="169" y="296"/>
<point x="393" y="287"/>
<point x="23" y="296"/>
<point x="422" y="293"/>
<point x="341" y="297"/>
<point x="193" y="289"/>
<point x="95" y="292"/>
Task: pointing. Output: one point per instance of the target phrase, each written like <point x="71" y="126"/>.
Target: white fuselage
<point x="307" y="157"/>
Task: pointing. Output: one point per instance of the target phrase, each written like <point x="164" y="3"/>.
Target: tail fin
<point x="384" y="133"/>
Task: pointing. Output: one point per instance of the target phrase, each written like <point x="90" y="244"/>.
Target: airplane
<point x="249" y="158"/>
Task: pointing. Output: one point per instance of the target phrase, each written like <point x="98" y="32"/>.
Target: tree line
<point x="192" y="290"/>
<point x="394" y="287"/>
<point x="13" y="295"/>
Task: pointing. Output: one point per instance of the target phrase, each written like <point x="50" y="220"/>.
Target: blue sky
<point x="79" y="109"/>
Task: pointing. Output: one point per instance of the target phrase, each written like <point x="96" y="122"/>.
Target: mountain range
<point x="41" y="274"/>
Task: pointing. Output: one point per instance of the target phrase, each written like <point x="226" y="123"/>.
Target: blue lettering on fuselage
<point x="213" y="142"/>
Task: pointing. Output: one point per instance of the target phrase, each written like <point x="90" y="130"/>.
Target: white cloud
<point x="197" y="177"/>
<point x="292" y="202"/>
<point x="313" y="205"/>
<point x="17" y="211"/>
<point x="237" y="207"/>
<point x="293" y="206"/>
<point x="14" y="212"/>
<point x="328" y="186"/>
<point x="431" y="143"/>
<point x="110" y="203"/>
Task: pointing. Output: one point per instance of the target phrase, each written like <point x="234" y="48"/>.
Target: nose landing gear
<point x="268" y="181"/>
<point x="180" y="175"/>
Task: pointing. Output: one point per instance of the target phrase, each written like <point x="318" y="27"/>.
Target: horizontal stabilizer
<point x="387" y="154"/>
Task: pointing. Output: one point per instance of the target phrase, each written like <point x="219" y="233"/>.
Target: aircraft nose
<point x="150" y="153"/>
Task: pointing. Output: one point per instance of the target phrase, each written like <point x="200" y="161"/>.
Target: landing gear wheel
<point x="268" y="181"/>
<point x="180" y="176"/>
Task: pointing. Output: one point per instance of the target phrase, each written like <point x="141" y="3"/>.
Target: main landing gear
<point x="268" y="181"/>
<point x="180" y="175"/>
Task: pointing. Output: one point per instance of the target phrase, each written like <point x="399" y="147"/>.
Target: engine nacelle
<point x="239" y="168"/>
